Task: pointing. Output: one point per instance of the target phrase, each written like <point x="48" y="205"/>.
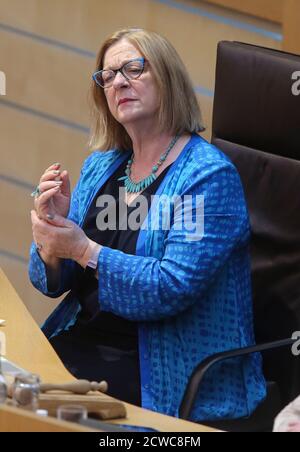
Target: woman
<point x="148" y="302"/>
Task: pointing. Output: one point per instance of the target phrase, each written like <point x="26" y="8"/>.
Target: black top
<point x="113" y="215"/>
<point x="103" y="337"/>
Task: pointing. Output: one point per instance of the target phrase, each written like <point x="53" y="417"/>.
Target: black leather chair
<point x="256" y="122"/>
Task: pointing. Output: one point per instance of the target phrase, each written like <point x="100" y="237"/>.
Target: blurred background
<point x="47" y="52"/>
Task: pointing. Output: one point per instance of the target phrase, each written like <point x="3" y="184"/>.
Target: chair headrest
<point x="254" y="104"/>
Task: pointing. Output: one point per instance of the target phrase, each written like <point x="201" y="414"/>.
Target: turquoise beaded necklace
<point x="132" y="187"/>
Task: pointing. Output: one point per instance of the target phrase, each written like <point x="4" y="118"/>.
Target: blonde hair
<point x="179" y="111"/>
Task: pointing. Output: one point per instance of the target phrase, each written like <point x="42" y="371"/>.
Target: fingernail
<point x="56" y="172"/>
<point x="59" y="182"/>
<point x="56" y="164"/>
<point x="50" y="216"/>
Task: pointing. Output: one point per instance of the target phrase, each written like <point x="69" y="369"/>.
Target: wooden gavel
<point x="76" y="386"/>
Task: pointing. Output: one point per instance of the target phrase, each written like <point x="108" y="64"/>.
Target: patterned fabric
<point x="190" y="298"/>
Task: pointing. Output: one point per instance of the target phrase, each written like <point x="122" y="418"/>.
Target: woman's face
<point x="133" y="103"/>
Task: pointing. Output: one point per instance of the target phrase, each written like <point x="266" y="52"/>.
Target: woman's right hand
<point x="55" y="193"/>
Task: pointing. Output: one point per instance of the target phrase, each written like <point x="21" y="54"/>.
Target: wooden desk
<point x="27" y="346"/>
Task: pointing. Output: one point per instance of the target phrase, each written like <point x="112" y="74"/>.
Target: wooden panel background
<point x="266" y="9"/>
<point x="47" y="51"/>
<point x="291" y="28"/>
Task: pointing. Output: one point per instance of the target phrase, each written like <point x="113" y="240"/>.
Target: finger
<point x="41" y="202"/>
<point x="50" y="175"/>
<point x="33" y="216"/>
<point x="66" y="185"/>
<point x="55" y="166"/>
<point x="35" y="219"/>
<point x="44" y="186"/>
<point x="59" y="221"/>
<point x="46" y="195"/>
<point x="40" y="229"/>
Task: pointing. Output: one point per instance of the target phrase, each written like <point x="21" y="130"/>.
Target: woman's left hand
<point x="60" y="238"/>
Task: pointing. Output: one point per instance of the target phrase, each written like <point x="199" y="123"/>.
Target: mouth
<point x="125" y="100"/>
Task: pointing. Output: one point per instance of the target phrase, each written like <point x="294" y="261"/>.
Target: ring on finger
<point x="36" y="193"/>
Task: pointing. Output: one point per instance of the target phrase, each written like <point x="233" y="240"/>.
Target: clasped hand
<point x="54" y="234"/>
<point x="59" y="237"/>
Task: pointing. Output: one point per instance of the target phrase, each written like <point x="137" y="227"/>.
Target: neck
<point x="148" y="147"/>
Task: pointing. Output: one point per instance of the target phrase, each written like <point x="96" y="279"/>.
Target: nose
<point x="120" y="80"/>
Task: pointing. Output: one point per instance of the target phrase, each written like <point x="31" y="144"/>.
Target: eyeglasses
<point x="131" y="70"/>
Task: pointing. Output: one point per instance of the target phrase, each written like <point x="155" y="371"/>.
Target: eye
<point x="107" y="76"/>
<point x="133" y="69"/>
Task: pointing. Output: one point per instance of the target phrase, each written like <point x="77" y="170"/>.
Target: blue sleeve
<point x="37" y="268"/>
<point x="146" y="288"/>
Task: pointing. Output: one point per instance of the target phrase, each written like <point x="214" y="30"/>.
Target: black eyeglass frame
<point x="115" y="71"/>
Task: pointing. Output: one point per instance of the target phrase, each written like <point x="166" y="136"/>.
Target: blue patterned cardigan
<point x="190" y="298"/>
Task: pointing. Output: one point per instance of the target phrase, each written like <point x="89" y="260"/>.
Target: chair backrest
<point x="256" y="121"/>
